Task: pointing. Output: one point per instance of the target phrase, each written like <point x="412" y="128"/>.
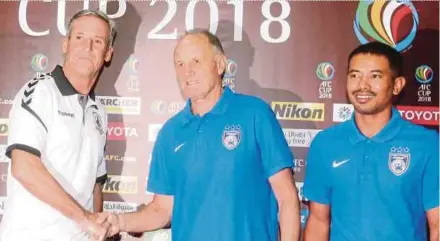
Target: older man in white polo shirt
<point x="56" y="143"/>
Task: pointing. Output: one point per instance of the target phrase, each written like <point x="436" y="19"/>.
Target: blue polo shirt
<point x="378" y="188"/>
<point x="217" y="168"/>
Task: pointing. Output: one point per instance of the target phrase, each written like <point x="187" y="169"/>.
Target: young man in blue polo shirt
<point x="220" y="169"/>
<point x="374" y="177"/>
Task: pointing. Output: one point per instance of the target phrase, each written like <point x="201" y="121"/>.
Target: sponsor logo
<point x="120" y="158"/>
<point x="337" y="164"/>
<point x="4" y="127"/>
<point x="133" y="83"/>
<point x="120" y="131"/>
<point x="298" y="111"/>
<point x="6" y="101"/>
<point x="121" y="105"/>
<point x="132" y="65"/>
<point x="153" y="131"/>
<point x="424" y="75"/>
<point x="179" y="146"/>
<point x="299" y="137"/>
<point x="71" y="115"/>
<point x="119" y="207"/>
<point x="298" y="165"/>
<point x="423" y="115"/>
<point x="398" y="160"/>
<point x="382" y="21"/>
<point x="39" y="62"/>
<point x="3" y="157"/>
<point x="121" y="184"/>
<point x="342" y="112"/>
<point x="299" y="187"/>
<point x="229" y="75"/>
<point x="160" y="107"/>
<point x="231" y="136"/>
<point x="325" y="72"/>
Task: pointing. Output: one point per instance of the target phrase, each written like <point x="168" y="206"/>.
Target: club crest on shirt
<point x="231" y="136"/>
<point x="98" y="123"/>
<point x="398" y="160"/>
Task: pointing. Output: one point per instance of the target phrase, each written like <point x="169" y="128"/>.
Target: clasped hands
<point x="100" y="226"/>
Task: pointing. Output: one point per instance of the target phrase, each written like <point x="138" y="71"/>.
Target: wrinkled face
<point x="87" y="47"/>
<point x="198" y="66"/>
<point x="371" y="84"/>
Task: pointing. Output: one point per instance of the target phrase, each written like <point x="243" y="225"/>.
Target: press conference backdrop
<point x="293" y="54"/>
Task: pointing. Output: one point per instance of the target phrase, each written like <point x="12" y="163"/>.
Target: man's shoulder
<point x="40" y="87"/>
<point x="252" y="103"/>
<point x="418" y="133"/>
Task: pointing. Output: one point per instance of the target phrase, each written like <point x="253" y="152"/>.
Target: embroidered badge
<point x="399" y="160"/>
<point x="231" y="136"/>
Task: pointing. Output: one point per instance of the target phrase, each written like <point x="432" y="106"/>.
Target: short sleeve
<point x="30" y="117"/>
<point x="160" y="176"/>
<point x="315" y="187"/>
<point x="431" y="176"/>
<point x="275" y="152"/>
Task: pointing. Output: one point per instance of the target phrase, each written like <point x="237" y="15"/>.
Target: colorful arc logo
<point x="231" y="69"/>
<point x="382" y="21"/>
<point x="133" y="64"/>
<point x="325" y="71"/>
<point x="424" y="74"/>
<point x="39" y="62"/>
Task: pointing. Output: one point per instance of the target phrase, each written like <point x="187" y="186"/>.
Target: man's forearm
<point x="97" y="198"/>
<point x="290" y="223"/>
<point x="36" y="179"/>
<point x="316" y="230"/>
<point x="149" y="218"/>
<point x="433" y="234"/>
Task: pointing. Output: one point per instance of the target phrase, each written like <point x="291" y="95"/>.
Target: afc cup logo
<point x="424" y="74"/>
<point x="231" y="136"/>
<point x="231" y="69"/>
<point x="383" y="21"/>
<point x="325" y="71"/>
<point x="39" y="62"/>
<point x="399" y="159"/>
<point x="133" y="64"/>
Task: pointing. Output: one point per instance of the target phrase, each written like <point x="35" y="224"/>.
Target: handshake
<point x="100" y="226"/>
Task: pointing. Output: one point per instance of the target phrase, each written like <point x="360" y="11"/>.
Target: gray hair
<point x="99" y="14"/>
<point x="213" y="40"/>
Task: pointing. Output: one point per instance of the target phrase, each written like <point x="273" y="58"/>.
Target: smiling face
<point x="88" y="46"/>
<point x="371" y="84"/>
<point x="198" y="66"/>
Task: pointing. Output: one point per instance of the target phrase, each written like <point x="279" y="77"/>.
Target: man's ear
<point x="220" y="61"/>
<point x="399" y="83"/>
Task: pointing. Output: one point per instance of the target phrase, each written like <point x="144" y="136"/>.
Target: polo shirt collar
<point x="390" y="130"/>
<point x="64" y="84"/>
<point x="219" y="108"/>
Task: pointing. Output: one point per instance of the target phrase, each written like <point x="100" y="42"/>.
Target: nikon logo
<point x="120" y="184"/>
<point x="299" y="111"/>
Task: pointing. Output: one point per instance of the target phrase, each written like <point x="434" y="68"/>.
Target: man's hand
<point x="96" y="226"/>
<point x="113" y="220"/>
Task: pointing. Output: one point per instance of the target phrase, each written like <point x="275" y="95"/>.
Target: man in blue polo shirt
<point x="374" y="177"/>
<point x="221" y="168"/>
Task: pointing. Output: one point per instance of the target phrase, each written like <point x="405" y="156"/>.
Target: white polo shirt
<point x="48" y="121"/>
